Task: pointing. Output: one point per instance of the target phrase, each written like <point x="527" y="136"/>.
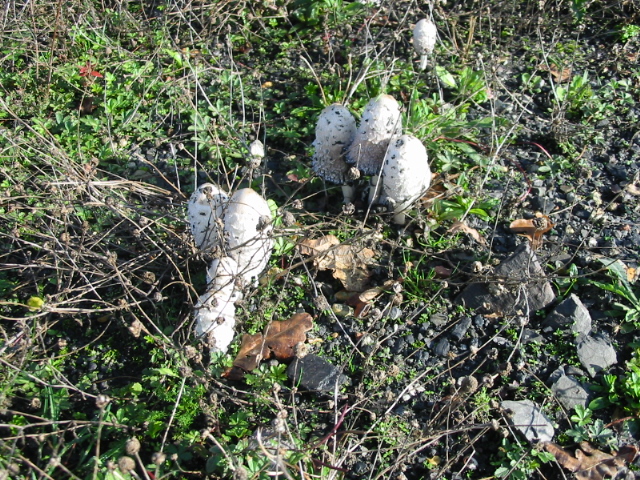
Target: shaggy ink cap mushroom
<point x="406" y="175"/>
<point x="256" y="154"/>
<point x="381" y="121"/>
<point x="335" y="130"/>
<point x="204" y="210"/>
<point x="425" y="34"/>
<point x="215" y="309"/>
<point x="247" y="232"/>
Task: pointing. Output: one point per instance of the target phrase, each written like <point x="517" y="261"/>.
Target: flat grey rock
<point x="570" y="392"/>
<point x="595" y="353"/>
<point x="314" y="373"/>
<point x="570" y="314"/>
<point x="529" y="420"/>
<point x="460" y="329"/>
<point x="517" y="284"/>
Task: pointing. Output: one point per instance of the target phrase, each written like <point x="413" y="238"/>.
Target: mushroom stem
<point x="424" y="59"/>
<point x="347" y="192"/>
<point x="374" y="189"/>
<point x="399" y="218"/>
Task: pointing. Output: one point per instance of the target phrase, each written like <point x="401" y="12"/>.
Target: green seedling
<point x="621" y="286"/>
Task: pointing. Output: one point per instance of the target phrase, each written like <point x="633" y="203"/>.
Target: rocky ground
<point x="473" y="348"/>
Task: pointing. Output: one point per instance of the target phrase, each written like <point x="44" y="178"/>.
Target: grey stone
<point x="595" y="353"/>
<point x="442" y="348"/>
<point x="570" y="392"/>
<point x="572" y="314"/>
<point x="529" y="420"/>
<point x="439" y="320"/>
<point x="314" y="373"/>
<point x="517" y="284"/>
<point x="460" y="329"/>
<point x="531" y="336"/>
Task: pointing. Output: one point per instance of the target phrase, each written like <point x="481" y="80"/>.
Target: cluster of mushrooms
<point x="398" y="164"/>
<point x="236" y="229"/>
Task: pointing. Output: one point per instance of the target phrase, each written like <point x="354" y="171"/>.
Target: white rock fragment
<point x="335" y="131"/>
<point x="406" y="175"/>
<point x="425" y="35"/>
<point x="205" y="211"/>
<point x="247" y="227"/>
<point x="381" y="120"/>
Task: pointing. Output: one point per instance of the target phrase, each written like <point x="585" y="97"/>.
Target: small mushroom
<point x="425" y="34"/>
<point x="256" y="154"/>
<point x="247" y="228"/>
<point x="406" y="175"/>
<point x="335" y="130"/>
<point x="205" y="210"/>
<point x="381" y="120"/>
<point x="215" y="311"/>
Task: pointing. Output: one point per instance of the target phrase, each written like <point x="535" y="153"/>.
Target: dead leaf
<point x="590" y="463"/>
<point x="633" y="189"/>
<point x="559" y="74"/>
<point x="532" y="228"/>
<point x="632" y="274"/>
<point x="459" y="226"/>
<point x="278" y="341"/>
<point x="348" y="262"/>
<point x="362" y="301"/>
<point x="442" y="272"/>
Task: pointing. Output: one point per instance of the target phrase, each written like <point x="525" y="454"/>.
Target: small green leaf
<point x="445" y="77"/>
<point x="35" y="303"/>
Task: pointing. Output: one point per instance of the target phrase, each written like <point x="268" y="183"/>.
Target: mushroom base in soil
<point x="406" y="175"/>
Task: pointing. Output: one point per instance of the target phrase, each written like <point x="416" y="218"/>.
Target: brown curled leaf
<point x="532" y="228"/>
<point x="278" y="341"/>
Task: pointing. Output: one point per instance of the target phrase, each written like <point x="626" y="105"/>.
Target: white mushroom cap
<point x="256" y="153"/>
<point x="381" y="120"/>
<point x="425" y="34"/>
<point x="247" y="226"/>
<point x="406" y="175"/>
<point x="335" y="130"/>
<point x="205" y="208"/>
<point x="215" y="310"/>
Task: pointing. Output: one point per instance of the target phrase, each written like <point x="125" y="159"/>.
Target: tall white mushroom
<point x="406" y="175"/>
<point x="240" y="225"/>
<point x="425" y="34"/>
<point x="215" y="314"/>
<point x="205" y="210"/>
<point x="335" y="130"/>
<point x="247" y="227"/>
<point x="381" y="120"/>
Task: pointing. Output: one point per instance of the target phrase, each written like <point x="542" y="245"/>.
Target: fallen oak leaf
<point x="347" y="261"/>
<point x="590" y="463"/>
<point x="459" y="226"/>
<point x="278" y="341"/>
<point x="532" y="228"/>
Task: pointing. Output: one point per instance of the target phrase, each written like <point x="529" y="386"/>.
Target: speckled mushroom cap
<point x="247" y="228"/>
<point x="335" y="130"/>
<point x="215" y="310"/>
<point x="425" y="34"/>
<point x="205" y="208"/>
<point x="381" y="120"/>
<point x="406" y="175"/>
